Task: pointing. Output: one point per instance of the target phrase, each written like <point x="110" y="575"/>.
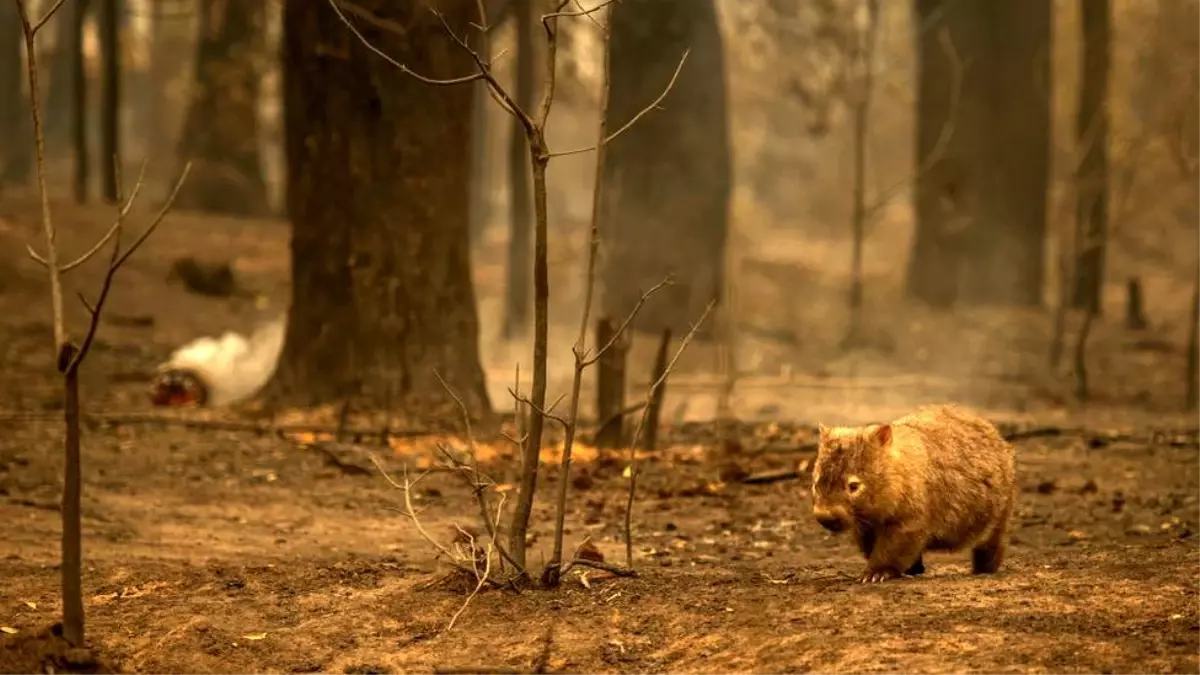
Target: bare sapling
<point x="1192" y="391"/>
<point x="651" y="391"/>
<point x="534" y="124"/>
<point x="69" y="356"/>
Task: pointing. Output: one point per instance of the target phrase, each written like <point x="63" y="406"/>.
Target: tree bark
<point x="220" y="131"/>
<point x="110" y="96"/>
<point x="16" y="139"/>
<point x="981" y="189"/>
<point x="667" y="178"/>
<point x="519" y="286"/>
<point x="1091" y="133"/>
<point x="377" y="168"/>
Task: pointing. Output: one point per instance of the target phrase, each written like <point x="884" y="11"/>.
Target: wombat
<point x="940" y="478"/>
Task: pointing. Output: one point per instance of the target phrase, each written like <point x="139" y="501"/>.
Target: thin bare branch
<point x="56" y="299"/>
<point x="487" y="569"/>
<point x="547" y="413"/>
<point x="637" y="434"/>
<point x="125" y="209"/>
<point x="628" y="320"/>
<point x="582" y="12"/>
<point x="644" y="111"/>
<point x="406" y="490"/>
<point x="588" y="13"/>
<point x="42" y="22"/>
<point x="485" y="72"/>
<point x="403" y="68"/>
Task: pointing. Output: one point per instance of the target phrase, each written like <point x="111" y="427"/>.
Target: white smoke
<point x="233" y="367"/>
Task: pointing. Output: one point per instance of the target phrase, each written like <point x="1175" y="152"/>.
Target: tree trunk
<point x="110" y="96"/>
<point x="1091" y="133"/>
<point x="377" y="168"/>
<point x="220" y="132"/>
<point x="16" y="140"/>
<point x="981" y="181"/>
<point x="1007" y="264"/>
<point x="519" y="286"/>
<point x="667" y="178"/>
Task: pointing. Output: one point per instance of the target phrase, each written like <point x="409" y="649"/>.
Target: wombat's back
<point x="969" y="473"/>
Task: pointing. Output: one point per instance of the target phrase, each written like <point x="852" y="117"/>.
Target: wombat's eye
<point x="853" y="485"/>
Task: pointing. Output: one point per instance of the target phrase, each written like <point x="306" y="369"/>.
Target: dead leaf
<point x="255" y="636"/>
<point x="31" y="604"/>
<point x="583" y="579"/>
<point x="627" y="472"/>
<point x="503" y="487"/>
<point x="9" y="630"/>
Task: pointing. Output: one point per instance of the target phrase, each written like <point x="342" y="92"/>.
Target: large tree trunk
<point x="982" y="166"/>
<point x="666" y="179"/>
<point x="377" y="167"/>
<point x="16" y="141"/>
<point x="519" y="286"/>
<point x="110" y="96"/>
<point x="220" y="132"/>
<point x="1091" y="181"/>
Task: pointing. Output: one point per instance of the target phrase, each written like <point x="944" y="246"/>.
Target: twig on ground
<point x="633" y="467"/>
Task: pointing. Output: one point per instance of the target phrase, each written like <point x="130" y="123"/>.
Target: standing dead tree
<point x="534" y="124"/>
<point x="69" y="356"/>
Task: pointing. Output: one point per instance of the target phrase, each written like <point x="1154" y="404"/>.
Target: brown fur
<point x="941" y="478"/>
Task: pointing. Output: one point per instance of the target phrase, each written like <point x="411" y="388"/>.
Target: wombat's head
<point x="846" y="473"/>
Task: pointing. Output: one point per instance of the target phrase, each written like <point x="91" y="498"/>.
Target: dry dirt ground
<point x="218" y="551"/>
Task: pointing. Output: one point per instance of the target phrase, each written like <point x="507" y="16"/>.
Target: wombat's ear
<point x="882" y="435"/>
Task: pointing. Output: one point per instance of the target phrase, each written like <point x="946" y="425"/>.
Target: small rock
<point x="1118" y="502"/>
<point x="1047" y="487"/>
<point x="1140" y="530"/>
<point x="670" y="527"/>
<point x="1089" y="487"/>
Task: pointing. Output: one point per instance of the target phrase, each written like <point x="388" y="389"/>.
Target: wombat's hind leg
<point x="986" y="558"/>
<point x="917" y="567"/>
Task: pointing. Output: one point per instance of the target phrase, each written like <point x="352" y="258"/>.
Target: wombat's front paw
<point x="875" y="576"/>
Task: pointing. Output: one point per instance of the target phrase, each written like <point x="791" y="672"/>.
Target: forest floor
<point x="209" y="550"/>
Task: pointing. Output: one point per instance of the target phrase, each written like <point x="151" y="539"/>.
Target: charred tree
<point x="982" y="164"/>
<point x="665" y="206"/>
<point x="1091" y="133"/>
<point x="377" y="192"/>
<point x="16" y="141"/>
<point x="519" y="287"/>
<point x="220" y="130"/>
<point x="109" y="18"/>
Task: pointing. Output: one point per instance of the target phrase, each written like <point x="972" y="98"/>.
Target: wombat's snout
<point x="831" y="523"/>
